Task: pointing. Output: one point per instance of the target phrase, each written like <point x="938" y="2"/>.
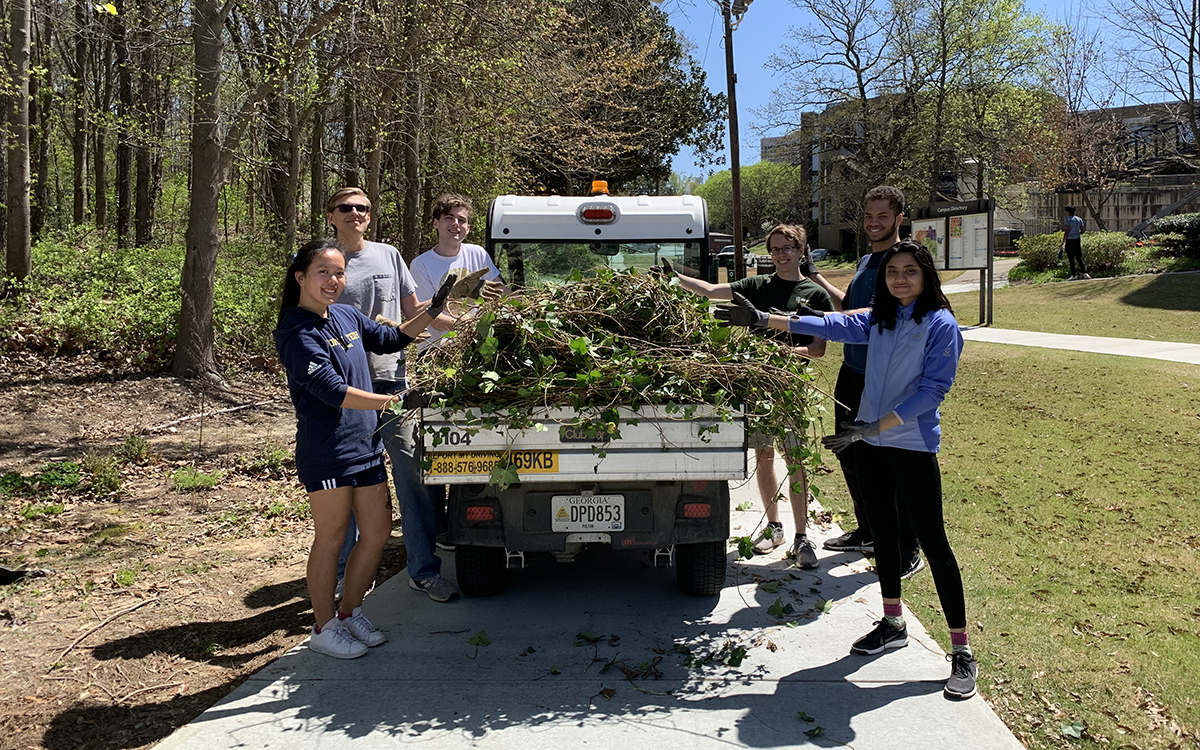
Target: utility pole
<point x="737" y="8"/>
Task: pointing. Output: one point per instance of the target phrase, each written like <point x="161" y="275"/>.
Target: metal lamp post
<point x="729" y="10"/>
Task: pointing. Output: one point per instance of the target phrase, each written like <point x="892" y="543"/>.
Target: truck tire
<point x="700" y="567"/>
<point x="481" y="570"/>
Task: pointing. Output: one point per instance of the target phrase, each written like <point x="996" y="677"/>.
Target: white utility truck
<point x="661" y="488"/>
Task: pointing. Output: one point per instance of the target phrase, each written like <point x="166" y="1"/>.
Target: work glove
<point x="801" y="309"/>
<point x="851" y="432"/>
<point x="741" y="313"/>
<point x="492" y="289"/>
<point x="419" y="398"/>
<point x="667" y="269"/>
<point x="807" y="267"/>
<point x="438" y="303"/>
<point x="470" y="285"/>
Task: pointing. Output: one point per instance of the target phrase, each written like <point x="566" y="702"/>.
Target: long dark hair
<point x="931" y="297"/>
<point x="300" y="263"/>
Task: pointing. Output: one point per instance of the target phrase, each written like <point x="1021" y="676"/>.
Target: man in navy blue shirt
<point x="883" y="212"/>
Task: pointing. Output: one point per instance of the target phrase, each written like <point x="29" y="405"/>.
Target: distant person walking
<point x="1073" y="240"/>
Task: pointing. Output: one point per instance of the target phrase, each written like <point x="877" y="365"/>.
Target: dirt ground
<point x="147" y="604"/>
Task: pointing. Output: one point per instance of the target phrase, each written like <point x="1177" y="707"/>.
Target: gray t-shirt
<point x="377" y="278"/>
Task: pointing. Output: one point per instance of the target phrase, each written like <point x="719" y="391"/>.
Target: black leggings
<point x="1074" y="254"/>
<point x="891" y="479"/>
<point x="848" y="395"/>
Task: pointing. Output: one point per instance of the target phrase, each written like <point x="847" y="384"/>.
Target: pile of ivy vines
<point x="609" y="340"/>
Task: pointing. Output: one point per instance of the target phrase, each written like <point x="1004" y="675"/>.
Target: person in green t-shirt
<point x="790" y="291"/>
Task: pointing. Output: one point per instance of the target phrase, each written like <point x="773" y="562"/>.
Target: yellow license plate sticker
<point x="482" y="462"/>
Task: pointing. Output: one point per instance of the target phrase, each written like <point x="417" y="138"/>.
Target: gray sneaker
<point x="438" y="588"/>
<point x="964" y="671"/>
<point x="804" y="552"/>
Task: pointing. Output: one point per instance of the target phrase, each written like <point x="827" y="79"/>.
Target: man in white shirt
<point x="452" y="219"/>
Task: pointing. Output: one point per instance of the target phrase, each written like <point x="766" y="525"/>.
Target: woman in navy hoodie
<point x="913" y="345"/>
<point x="339" y="454"/>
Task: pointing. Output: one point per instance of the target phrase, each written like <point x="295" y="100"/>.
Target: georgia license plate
<point x="588" y="513"/>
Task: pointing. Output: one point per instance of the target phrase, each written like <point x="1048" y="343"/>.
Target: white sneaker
<point x="339" y="589"/>
<point x="768" y="539"/>
<point x="334" y="640"/>
<point x="362" y="629"/>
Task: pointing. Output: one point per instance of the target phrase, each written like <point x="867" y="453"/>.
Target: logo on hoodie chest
<point x="346" y="343"/>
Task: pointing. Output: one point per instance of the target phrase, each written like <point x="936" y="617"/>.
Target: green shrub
<point x="61" y="475"/>
<point x="191" y="479"/>
<point x="1039" y="252"/>
<point x="1178" y="236"/>
<point x="134" y="448"/>
<point x="124" y="303"/>
<point x="104" y="470"/>
<point x="1104" y="252"/>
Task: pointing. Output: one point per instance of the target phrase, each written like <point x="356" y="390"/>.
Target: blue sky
<point x="762" y="30"/>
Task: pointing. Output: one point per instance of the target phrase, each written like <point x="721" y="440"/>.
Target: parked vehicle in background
<point x="818" y="254"/>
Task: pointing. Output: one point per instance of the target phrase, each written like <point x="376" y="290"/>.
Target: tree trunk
<point x="143" y="204"/>
<point x="194" y="346"/>
<point x="124" y="115"/>
<point x="410" y="219"/>
<point x="39" y="141"/>
<point x="79" y="139"/>
<point x="349" y="136"/>
<point x="316" y="177"/>
<point x="100" y="148"/>
<point x="374" y="150"/>
<point x="17" y="232"/>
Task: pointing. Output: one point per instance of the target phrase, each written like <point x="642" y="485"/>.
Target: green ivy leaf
<point x="770" y="587"/>
<point x="480" y="639"/>
<point x="1074" y="729"/>
<point x="805" y="717"/>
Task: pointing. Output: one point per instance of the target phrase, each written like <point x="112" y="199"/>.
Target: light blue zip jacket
<point x="909" y="369"/>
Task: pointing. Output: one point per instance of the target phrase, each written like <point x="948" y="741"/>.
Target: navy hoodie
<point x="322" y="357"/>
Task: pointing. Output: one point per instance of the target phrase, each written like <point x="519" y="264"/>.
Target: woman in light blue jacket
<point x="913" y="345"/>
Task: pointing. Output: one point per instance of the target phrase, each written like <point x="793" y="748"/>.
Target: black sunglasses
<point x="348" y="207"/>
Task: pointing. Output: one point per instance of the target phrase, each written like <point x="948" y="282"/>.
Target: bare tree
<point x="18" y="247"/>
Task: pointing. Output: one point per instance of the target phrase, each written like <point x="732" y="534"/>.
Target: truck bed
<point x="661" y="446"/>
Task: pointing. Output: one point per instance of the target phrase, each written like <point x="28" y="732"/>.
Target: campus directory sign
<point x="959" y="237"/>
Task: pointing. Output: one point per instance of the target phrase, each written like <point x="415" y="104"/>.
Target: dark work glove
<point x="470" y="285"/>
<point x="807" y="267"/>
<point x="851" y="432"/>
<point x="418" y="398"/>
<point x="438" y="303"/>
<point x="667" y="269"/>
<point x="803" y="309"/>
<point x="741" y="313"/>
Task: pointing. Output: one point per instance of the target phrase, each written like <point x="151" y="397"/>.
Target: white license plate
<point x="588" y="512"/>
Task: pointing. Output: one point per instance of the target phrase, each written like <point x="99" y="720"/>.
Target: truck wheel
<point x="700" y="567"/>
<point x="481" y="570"/>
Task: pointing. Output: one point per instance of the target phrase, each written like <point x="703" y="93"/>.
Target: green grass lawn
<point x="1072" y="499"/>
<point x="1161" y="307"/>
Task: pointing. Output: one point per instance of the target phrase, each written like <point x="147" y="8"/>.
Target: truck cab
<point x="660" y="489"/>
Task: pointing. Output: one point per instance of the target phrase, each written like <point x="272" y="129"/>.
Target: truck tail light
<point x="697" y="510"/>
<point x="598" y="214"/>
<point x="481" y="513"/>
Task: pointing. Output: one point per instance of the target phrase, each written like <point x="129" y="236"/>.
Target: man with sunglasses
<point x="378" y="282"/>
<point x="787" y="290"/>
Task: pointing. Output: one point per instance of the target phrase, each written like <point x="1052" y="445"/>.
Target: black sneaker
<point x="851" y="541"/>
<point x="914" y="565"/>
<point x="443" y="542"/>
<point x="963" y="671"/>
<point x="884" y="636"/>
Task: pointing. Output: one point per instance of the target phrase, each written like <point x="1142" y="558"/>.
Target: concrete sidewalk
<point x="663" y="671"/>
<point x="1171" y="351"/>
